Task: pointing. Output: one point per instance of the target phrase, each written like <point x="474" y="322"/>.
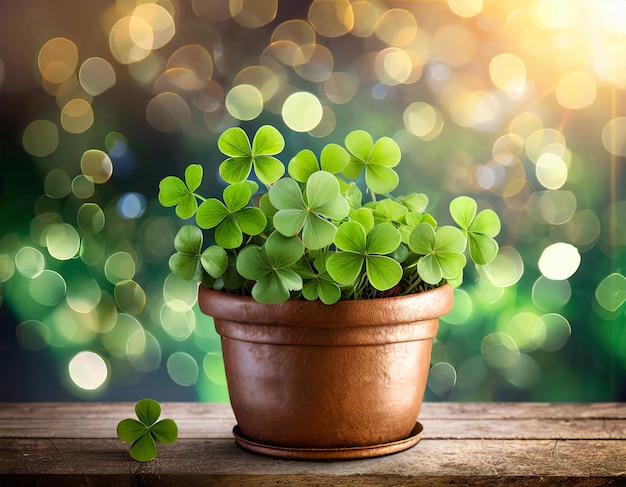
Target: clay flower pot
<point x="307" y="380"/>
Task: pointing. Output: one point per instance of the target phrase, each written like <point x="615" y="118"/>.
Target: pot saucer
<point x="330" y="453"/>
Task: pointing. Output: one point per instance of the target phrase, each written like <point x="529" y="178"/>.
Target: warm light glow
<point x="466" y="8"/>
<point x="88" y="370"/>
<point x="331" y="18"/>
<point x="559" y="261"/>
<point x="244" y="102"/>
<point x="302" y="111"/>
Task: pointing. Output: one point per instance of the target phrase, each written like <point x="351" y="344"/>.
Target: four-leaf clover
<point x="311" y="215"/>
<point x="174" y="192"/>
<point x="145" y="432"/>
<point x="359" y="248"/>
<point x="377" y="160"/>
<point x="441" y="251"/>
<point x="480" y="228"/>
<point x="271" y="267"/>
<point x="232" y="218"/>
<point x="242" y="156"/>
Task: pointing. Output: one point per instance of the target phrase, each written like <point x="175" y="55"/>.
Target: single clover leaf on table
<point x="480" y="228"/>
<point x="311" y="215"/>
<point x="377" y="159"/>
<point x="358" y="247"/>
<point x="147" y="430"/>
<point x="441" y="251"/>
<point x="232" y="218"/>
<point x="189" y="259"/>
<point x="271" y="266"/>
<point x="174" y="192"/>
<point x="242" y="156"/>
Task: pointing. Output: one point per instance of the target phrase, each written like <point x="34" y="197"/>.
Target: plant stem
<point x="358" y="289"/>
<point x="416" y="282"/>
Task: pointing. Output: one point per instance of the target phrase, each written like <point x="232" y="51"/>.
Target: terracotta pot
<point x="307" y="380"/>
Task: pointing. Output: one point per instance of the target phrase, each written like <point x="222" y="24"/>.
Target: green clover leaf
<point x="185" y="263"/>
<point x="230" y="279"/>
<point x="145" y="432"/>
<point x="365" y="216"/>
<point x="311" y="215"/>
<point x="411" y="220"/>
<point x="232" y="218"/>
<point x="353" y="196"/>
<point x="441" y="251"/>
<point x="320" y="284"/>
<point x="479" y="228"/>
<point x="376" y="159"/>
<point x="189" y="259"/>
<point x="271" y="266"/>
<point x="174" y="192"/>
<point x="416" y="202"/>
<point x="359" y="248"/>
<point x="242" y="156"/>
<point x="333" y="159"/>
<point x="389" y="211"/>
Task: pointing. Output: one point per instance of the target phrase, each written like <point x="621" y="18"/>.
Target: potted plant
<point x="326" y="297"/>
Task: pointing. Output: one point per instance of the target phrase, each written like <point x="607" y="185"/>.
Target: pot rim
<point x="410" y="308"/>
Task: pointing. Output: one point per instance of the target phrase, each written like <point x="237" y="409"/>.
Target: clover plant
<point x="328" y="230"/>
<point x="147" y="430"/>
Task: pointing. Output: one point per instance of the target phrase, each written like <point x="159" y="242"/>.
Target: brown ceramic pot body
<point x="302" y="374"/>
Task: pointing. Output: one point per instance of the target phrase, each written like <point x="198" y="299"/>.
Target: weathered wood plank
<point x="80" y="420"/>
<point x="430" y="410"/>
<point x="433" y="428"/>
<point x="221" y="462"/>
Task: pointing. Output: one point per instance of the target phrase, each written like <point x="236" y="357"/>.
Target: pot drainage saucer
<point x="330" y="453"/>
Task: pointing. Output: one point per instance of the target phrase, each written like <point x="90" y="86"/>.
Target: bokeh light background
<point x="519" y="104"/>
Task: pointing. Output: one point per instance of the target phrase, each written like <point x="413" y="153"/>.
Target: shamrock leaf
<point x="311" y="215"/>
<point x="389" y="211"/>
<point x="412" y="219"/>
<point x="189" y="259"/>
<point x="185" y="263"/>
<point x="147" y="430"/>
<point x="230" y="279"/>
<point x="320" y="284"/>
<point x="174" y="192"/>
<point x="353" y="196"/>
<point x="333" y="159"/>
<point x="441" y="251"/>
<point x="267" y="143"/>
<point x="271" y="267"/>
<point x="359" y="248"/>
<point x="365" y="216"/>
<point x="232" y="218"/>
<point x="376" y="159"/>
<point x="416" y="202"/>
<point x="479" y="229"/>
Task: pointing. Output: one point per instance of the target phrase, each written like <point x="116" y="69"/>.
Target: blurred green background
<point x="518" y="104"/>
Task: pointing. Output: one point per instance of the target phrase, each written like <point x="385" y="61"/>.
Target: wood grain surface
<point x="462" y="444"/>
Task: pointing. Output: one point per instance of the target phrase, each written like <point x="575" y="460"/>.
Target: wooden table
<point x="463" y="444"/>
